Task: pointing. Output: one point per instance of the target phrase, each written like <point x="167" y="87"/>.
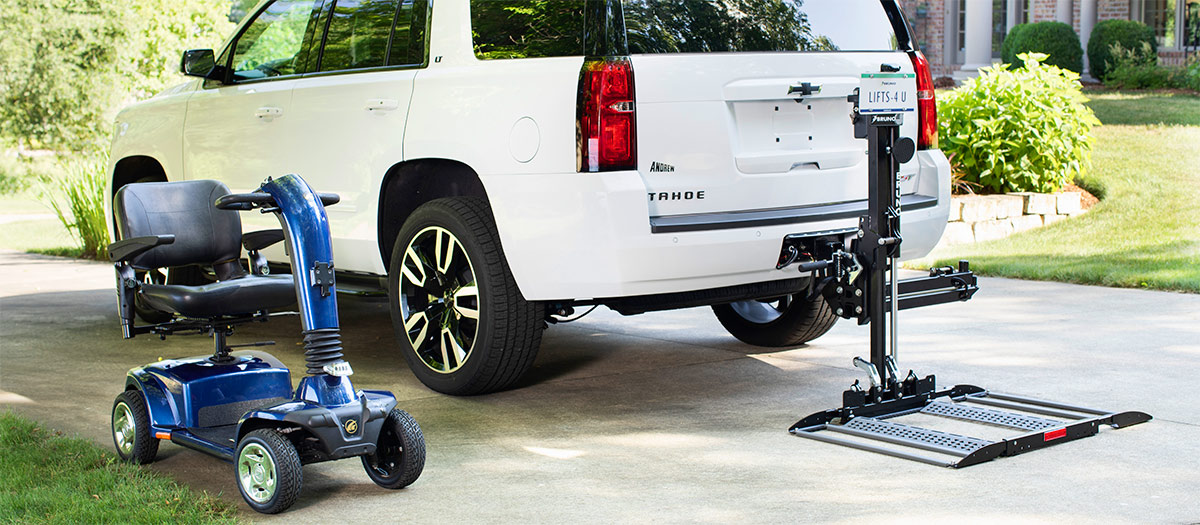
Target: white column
<point x="950" y="32"/>
<point x="1014" y="6"/>
<point x="1087" y="21"/>
<point x="978" y="35"/>
<point x="1062" y="11"/>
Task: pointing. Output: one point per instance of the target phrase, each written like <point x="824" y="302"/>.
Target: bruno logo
<point x="887" y="119"/>
<point x="351" y="426"/>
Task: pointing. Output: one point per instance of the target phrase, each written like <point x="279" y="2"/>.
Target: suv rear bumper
<point x="590" y="236"/>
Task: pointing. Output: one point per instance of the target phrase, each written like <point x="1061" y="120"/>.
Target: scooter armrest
<point x="126" y="249"/>
<point x="258" y="240"/>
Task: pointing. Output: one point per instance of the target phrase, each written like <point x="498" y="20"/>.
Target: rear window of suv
<point x="740" y="26"/>
<point x="549" y="28"/>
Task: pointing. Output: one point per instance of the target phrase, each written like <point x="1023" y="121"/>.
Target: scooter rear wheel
<point x="268" y="471"/>
<point x="131" y="429"/>
<point x="399" y="454"/>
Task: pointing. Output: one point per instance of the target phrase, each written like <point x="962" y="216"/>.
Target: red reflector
<point x="1055" y="434"/>
<point x="607" y="116"/>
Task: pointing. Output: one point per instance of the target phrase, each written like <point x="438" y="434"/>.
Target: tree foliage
<point x="67" y="66"/>
<point x="1025" y="129"/>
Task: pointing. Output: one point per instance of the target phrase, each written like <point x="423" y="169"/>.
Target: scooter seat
<point x="244" y="295"/>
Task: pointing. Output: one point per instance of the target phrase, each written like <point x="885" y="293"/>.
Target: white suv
<point x="503" y="162"/>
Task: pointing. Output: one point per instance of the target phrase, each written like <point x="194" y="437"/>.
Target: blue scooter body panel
<point x="177" y="390"/>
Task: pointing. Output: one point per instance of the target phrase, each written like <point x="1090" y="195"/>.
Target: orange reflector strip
<point x="163" y="435"/>
<point x="1055" y="434"/>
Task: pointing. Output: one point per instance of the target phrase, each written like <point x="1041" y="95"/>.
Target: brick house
<point x="960" y="36"/>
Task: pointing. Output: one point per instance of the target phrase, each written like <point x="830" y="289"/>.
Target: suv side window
<point x="358" y="34"/>
<point x="274" y="43"/>
<point x="527" y="28"/>
<point x="408" y="37"/>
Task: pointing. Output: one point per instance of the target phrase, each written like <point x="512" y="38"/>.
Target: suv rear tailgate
<point x="734" y="132"/>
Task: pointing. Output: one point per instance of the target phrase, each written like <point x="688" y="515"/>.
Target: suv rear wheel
<point x="783" y="321"/>
<point x="464" y="326"/>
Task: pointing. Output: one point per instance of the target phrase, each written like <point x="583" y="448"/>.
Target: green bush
<point x="1051" y="38"/>
<point x="1136" y="69"/>
<point x="77" y="197"/>
<point x="1188" y="77"/>
<point x="1007" y="55"/>
<point x="1129" y="34"/>
<point x="1025" y="129"/>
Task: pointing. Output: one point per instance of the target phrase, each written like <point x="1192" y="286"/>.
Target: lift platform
<point x="860" y="281"/>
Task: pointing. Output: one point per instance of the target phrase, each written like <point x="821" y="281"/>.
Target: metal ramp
<point x="960" y="403"/>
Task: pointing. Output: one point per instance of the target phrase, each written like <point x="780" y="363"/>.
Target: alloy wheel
<point x="762" y="311"/>
<point x="439" y="299"/>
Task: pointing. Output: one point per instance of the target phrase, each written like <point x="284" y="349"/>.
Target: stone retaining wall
<point x="975" y="218"/>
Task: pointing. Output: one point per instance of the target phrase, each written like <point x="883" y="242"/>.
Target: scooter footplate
<point x="989" y="416"/>
<point x="916" y="436"/>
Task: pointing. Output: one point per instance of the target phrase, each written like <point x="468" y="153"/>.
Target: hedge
<point x="1129" y="33"/>
<point x="1056" y="39"/>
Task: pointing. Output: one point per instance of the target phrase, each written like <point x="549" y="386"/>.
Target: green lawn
<point x="1146" y="230"/>
<point x="46" y="477"/>
<point x="28" y="225"/>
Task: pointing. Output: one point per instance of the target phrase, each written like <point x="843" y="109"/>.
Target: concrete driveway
<point x="666" y="418"/>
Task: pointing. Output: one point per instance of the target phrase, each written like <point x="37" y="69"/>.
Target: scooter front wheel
<point x="131" y="428"/>
<point x="268" y="471"/>
<point x="399" y="454"/>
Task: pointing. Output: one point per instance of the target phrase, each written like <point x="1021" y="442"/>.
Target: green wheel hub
<point x="124" y="428"/>
<point x="256" y="473"/>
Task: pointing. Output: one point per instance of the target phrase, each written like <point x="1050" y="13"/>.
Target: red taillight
<point x="607" y="120"/>
<point x="926" y="104"/>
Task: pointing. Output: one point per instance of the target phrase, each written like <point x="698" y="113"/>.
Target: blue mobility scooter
<point x="239" y="405"/>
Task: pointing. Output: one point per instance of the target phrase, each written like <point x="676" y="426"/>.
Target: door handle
<point x="268" y="112"/>
<point x="381" y="104"/>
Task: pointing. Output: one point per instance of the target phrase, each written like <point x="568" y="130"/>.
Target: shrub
<point x="77" y="197"/>
<point x="1128" y="33"/>
<point x="1051" y="38"/>
<point x="1006" y="48"/>
<point x="1188" y="77"/>
<point x="1136" y="69"/>
<point x="1025" y="129"/>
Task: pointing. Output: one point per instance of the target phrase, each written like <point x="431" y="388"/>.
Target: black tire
<point x="399" y="454"/>
<point x="275" y="487"/>
<point x="783" y="321"/>
<point x="131" y="429"/>
<point x="487" y="353"/>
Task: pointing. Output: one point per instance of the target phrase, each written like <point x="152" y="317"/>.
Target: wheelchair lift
<point x="861" y="283"/>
